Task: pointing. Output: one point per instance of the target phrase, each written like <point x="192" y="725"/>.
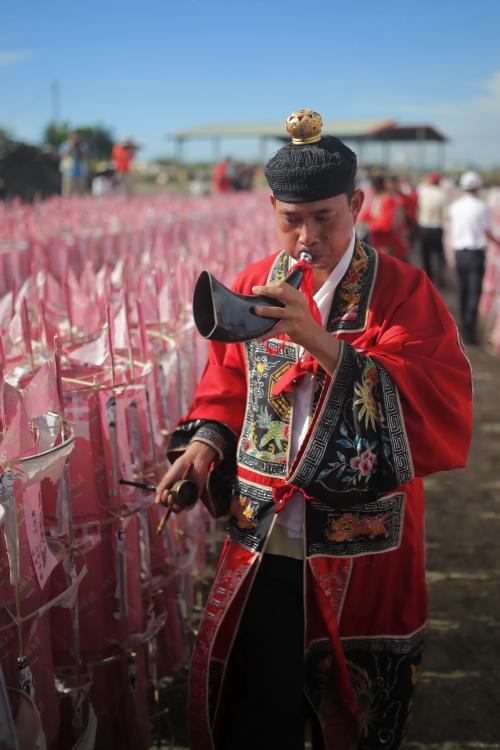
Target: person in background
<point x="73" y="165"/>
<point x="431" y="214"/>
<point x="223" y="176"/>
<point x="470" y="230"/>
<point x="122" y="156"/>
<point x="103" y="182"/>
<point x="409" y="199"/>
<point x="404" y="216"/>
<point x="244" y="176"/>
<point x="385" y="220"/>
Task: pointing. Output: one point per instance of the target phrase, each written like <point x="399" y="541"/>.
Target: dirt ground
<point x="457" y="704"/>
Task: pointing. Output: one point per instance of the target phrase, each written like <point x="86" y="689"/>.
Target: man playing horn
<point x="318" y="608"/>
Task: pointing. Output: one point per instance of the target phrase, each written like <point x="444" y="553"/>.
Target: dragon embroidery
<point x="350" y="526"/>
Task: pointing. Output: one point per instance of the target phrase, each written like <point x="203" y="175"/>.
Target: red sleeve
<point x="221" y="394"/>
<point x="417" y="343"/>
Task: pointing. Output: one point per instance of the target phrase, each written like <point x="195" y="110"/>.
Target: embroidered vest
<point x="347" y="462"/>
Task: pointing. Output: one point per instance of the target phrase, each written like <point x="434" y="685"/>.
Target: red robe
<point x="386" y="220"/>
<point x="397" y="408"/>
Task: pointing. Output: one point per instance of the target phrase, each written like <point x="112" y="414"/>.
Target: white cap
<point x="470" y="181"/>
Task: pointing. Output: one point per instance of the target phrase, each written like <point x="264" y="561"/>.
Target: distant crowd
<point x="107" y="177"/>
<point x="408" y="220"/>
<point x="232" y="175"/>
<point x="400" y="219"/>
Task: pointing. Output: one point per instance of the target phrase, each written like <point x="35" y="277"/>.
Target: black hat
<point x="311" y="167"/>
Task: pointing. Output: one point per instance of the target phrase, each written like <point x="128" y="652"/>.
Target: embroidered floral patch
<point x="363" y="442"/>
<point x="354" y="470"/>
<point x="369" y="408"/>
<point x="348" y="295"/>
<point x="352" y="296"/>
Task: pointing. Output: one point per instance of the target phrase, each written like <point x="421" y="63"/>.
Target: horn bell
<point x="222" y="315"/>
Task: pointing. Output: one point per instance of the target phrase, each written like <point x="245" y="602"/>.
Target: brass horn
<point x="222" y="315"/>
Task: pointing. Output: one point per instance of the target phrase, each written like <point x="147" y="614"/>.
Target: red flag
<point x="143" y="334"/>
<point x="120" y="333"/>
<point x="41" y="395"/>
<point x="164" y="304"/>
<point x="16" y="438"/>
<point x="84" y="312"/>
<point x="95" y="352"/>
<point x="52" y="292"/>
<point x="49" y="331"/>
<point x="147" y="293"/>
<point x="103" y="284"/>
<point x="26" y="328"/>
<point x="6" y="310"/>
<point x="69" y="308"/>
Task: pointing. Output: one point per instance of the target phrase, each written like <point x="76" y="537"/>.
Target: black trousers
<point x="432" y="252"/>
<point x="264" y="707"/>
<point x="470" y="271"/>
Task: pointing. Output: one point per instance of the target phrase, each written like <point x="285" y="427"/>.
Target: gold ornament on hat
<point x="304" y="126"/>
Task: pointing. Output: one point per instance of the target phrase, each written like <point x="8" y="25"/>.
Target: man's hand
<point x="296" y="319"/>
<point x="298" y="323"/>
<point x="201" y="456"/>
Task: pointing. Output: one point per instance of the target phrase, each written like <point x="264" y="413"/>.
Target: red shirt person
<point x="222" y="176"/>
<point x="122" y="156"/>
<point x="386" y="220"/>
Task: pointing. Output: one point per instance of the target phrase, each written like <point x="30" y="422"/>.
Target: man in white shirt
<point x="431" y="213"/>
<point x="470" y="230"/>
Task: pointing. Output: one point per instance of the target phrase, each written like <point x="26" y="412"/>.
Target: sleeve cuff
<point x="211" y="435"/>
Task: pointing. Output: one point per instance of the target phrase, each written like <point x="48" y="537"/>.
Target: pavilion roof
<point x="377" y="130"/>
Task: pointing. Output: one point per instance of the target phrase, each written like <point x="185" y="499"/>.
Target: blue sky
<point x="150" y="68"/>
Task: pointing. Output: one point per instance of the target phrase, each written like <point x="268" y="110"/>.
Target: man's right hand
<point x="201" y="456"/>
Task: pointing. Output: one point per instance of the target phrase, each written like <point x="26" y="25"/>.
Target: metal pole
<point x="421" y="149"/>
<point x="442" y="159"/>
<point x="56" y="101"/>
<point x="386" y="153"/>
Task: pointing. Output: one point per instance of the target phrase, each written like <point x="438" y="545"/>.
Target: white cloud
<point x="11" y="57"/>
<point x="471" y="123"/>
<point x="490" y="100"/>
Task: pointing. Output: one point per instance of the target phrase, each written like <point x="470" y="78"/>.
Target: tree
<point x="56" y="133"/>
<point x="98" y="138"/>
<point x="5" y="135"/>
<point x="26" y="171"/>
<point x="99" y="141"/>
